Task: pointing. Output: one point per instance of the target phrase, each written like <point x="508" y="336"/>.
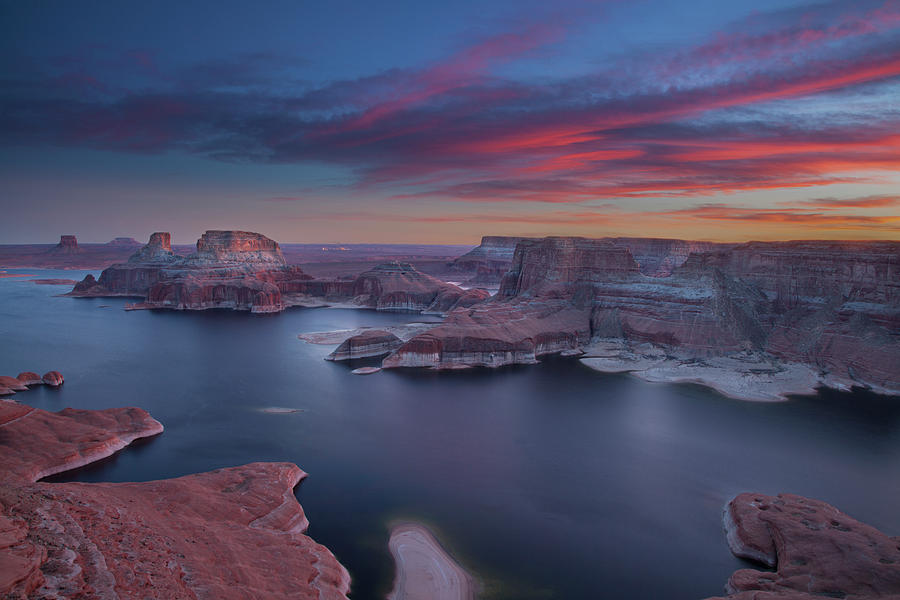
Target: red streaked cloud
<point x="761" y="109"/>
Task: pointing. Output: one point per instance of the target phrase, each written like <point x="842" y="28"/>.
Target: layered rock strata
<point x="816" y="551"/>
<point x="246" y="271"/>
<point x="487" y="263"/>
<point x="375" y="342"/>
<point x="213" y="535"/>
<point x="831" y="308"/>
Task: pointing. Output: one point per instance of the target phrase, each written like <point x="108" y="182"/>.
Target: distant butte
<point x="242" y="270"/>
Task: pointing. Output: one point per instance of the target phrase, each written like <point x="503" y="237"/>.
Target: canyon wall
<point x="487" y="263"/>
<point x="832" y="307"/>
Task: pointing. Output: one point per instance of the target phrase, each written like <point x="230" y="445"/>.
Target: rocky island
<point x="757" y="320"/>
<point x="243" y="270"/>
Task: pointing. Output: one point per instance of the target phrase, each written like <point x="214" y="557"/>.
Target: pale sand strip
<point x="424" y="570"/>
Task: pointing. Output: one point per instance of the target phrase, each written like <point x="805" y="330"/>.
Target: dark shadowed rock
<point x="816" y="550"/>
<point x="367" y="344"/>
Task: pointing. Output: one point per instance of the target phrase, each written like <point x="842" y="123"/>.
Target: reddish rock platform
<point x="221" y="534"/>
<point x="816" y="550"/>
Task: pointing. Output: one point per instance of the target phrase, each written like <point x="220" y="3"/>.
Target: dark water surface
<point x="551" y="481"/>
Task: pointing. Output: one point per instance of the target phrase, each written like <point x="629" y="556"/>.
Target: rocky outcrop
<point x="11" y="385"/>
<point x="829" y="307"/>
<point x="496" y="334"/>
<point x="230" y="269"/>
<point x="375" y="342"/>
<point x="399" y="286"/>
<point x="29" y="378"/>
<point x="241" y="270"/>
<point x="157" y="250"/>
<point x="67" y="245"/>
<point x="52" y="378"/>
<point x="220" y="534"/>
<point x="816" y="551"/>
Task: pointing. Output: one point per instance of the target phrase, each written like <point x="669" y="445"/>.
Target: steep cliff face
<point x="562" y="266"/>
<point x="488" y="262"/>
<point x="237" y="246"/>
<point x="832" y="307"/>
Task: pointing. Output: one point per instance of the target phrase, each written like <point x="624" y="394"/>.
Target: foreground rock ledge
<point x="817" y="551"/>
<point x="222" y="534"/>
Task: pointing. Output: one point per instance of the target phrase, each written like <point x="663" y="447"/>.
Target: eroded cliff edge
<point x="757" y="320"/>
<point x="220" y="534"/>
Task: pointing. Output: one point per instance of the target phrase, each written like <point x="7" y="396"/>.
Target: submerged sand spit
<point x="424" y="570"/>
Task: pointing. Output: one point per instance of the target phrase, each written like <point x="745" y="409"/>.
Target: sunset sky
<point x="434" y="122"/>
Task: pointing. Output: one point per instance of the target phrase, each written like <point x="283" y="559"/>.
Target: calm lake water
<point x="552" y="481"/>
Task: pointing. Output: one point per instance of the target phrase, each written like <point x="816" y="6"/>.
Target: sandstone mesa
<point x="246" y="271"/>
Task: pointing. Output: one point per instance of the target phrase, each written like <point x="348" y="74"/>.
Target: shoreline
<point x="423" y="568"/>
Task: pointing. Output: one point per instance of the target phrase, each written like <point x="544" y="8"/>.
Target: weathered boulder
<point x="52" y="378"/>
